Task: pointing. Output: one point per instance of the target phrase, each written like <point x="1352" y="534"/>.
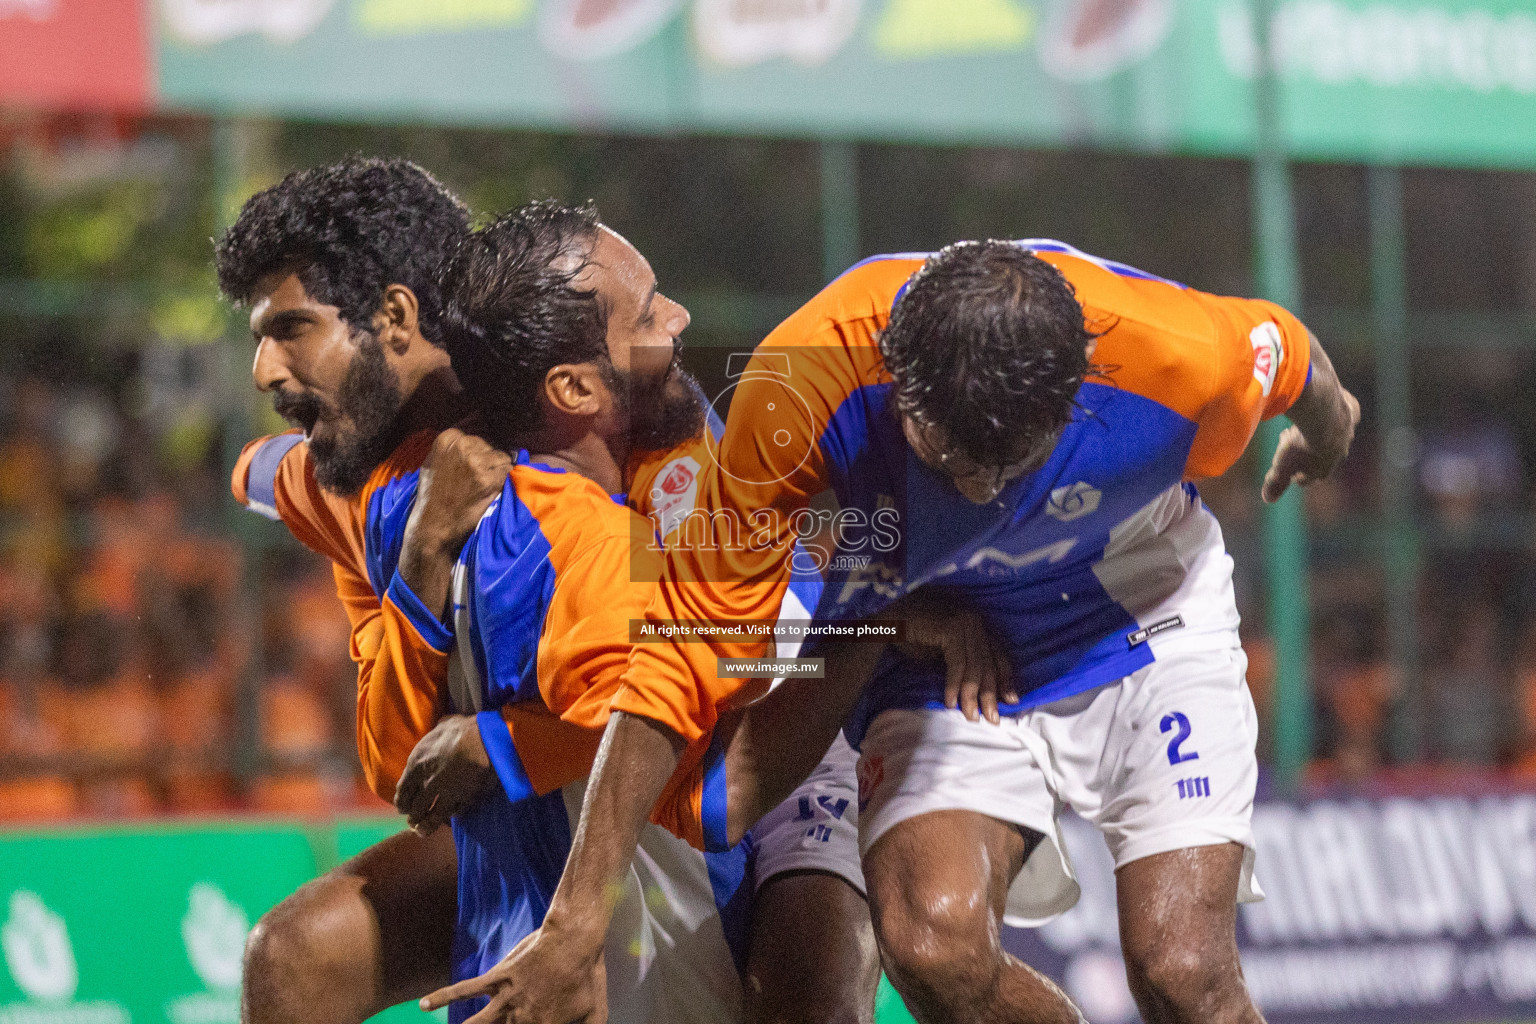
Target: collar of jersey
<point x="524" y="459"/>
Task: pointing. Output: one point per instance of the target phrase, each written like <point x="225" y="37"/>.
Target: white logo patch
<point x="674" y="493"/>
<point x="1268" y="352"/>
<point x="1074" y="502"/>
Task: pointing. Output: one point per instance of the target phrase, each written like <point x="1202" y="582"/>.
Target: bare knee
<point x="1176" y="982"/>
<point x="939" y="949"/>
<point x="285" y="951"/>
<point x="812" y="958"/>
<point x="305" y="960"/>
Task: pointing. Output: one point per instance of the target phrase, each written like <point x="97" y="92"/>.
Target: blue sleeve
<point x="427" y="625"/>
<point x="497" y="739"/>
<point x="261" y="477"/>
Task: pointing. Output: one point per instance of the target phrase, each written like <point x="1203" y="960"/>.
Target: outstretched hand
<point x="542" y="981"/>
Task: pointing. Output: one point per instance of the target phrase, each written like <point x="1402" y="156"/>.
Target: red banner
<point x="74" y="54"/>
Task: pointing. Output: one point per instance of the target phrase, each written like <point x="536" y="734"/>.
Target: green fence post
<point x="1284" y="523"/>
<point x="839" y="207"/>
<point x="1389" y="309"/>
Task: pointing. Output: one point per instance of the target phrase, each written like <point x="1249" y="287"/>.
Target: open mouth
<point x="301" y="410"/>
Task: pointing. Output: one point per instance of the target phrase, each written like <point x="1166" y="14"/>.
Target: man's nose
<point x="978" y="489"/>
<point x="681" y="318"/>
<point x="269" y="369"/>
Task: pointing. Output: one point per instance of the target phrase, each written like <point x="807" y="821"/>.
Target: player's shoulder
<point x="1156" y="337"/>
<point x="664" y="485"/>
<point x="569" y="510"/>
<point x="855" y="306"/>
<point x="254" y="480"/>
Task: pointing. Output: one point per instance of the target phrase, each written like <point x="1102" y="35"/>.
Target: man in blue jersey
<point x="1038" y="418"/>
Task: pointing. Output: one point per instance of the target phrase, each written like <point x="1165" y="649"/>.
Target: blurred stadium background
<point x="176" y="700"/>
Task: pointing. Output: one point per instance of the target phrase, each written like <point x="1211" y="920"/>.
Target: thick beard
<point x="668" y="416"/>
<point x="370" y="398"/>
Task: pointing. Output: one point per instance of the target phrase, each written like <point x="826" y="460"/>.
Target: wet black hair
<point x="988" y="343"/>
<point x="349" y="230"/>
<point x="513" y="312"/>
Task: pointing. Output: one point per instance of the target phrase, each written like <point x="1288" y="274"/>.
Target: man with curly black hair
<point x="338" y="265"/>
<point x="1033" y="419"/>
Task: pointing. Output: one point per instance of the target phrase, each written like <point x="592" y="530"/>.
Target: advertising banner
<point x="75" y="54"/>
<point x="1439" y="81"/>
<point x="113" y="926"/>
<point x="1393" y="910"/>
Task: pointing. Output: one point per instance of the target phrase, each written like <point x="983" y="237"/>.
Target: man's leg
<point x="937" y="886"/>
<point x="812" y="958"/>
<point x="370" y="933"/>
<point x="1178" y="919"/>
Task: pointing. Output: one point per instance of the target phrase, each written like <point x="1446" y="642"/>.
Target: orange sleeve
<point x="402" y="684"/>
<point x="729" y="559"/>
<point x="401" y="675"/>
<point x="1261" y="359"/>
<point x="273" y="477"/>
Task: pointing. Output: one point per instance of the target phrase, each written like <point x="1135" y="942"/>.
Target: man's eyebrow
<point x="645" y="309"/>
<point x="283" y="320"/>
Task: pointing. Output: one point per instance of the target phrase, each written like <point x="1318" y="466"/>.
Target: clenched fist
<point x="462" y="475"/>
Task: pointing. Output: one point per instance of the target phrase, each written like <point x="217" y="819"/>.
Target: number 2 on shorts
<point x="1175" y="755"/>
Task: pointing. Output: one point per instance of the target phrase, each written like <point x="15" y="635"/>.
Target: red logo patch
<point x="678" y="479"/>
<point x="871" y="774"/>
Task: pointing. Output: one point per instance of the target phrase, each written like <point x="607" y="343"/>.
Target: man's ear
<point x="396" y="324"/>
<point x="573" y="389"/>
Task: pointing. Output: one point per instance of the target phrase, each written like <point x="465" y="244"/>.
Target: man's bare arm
<point x="777" y="742"/>
<point x="555" y="975"/>
<point x="1323" y="420"/>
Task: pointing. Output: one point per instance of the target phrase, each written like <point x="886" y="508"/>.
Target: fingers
<point x="494" y="1011"/>
<point x="1005" y="673"/>
<point x="408" y="789"/>
<point x="461" y="990"/>
<point x="1290" y="458"/>
<point x="985" y="668"/>
<point x="952" y="678"/>
<point x="425" y="821"/>
<point x="960" y="662"/>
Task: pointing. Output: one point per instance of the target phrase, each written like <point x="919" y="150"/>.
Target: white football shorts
<point x="817" y="828"/>
<point x="1160" y="760"/>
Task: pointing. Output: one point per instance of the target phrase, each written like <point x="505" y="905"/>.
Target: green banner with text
<point x="1439" y="81"/>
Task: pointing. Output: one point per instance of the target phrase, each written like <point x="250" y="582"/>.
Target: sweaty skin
<point x="1177" y="909"/>
<point x="1188" y="894"/>
<point x="937" y="886"/>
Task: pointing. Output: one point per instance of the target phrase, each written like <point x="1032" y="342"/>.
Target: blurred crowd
<point x="147" y="665"/>
<point x="157" y="657"/>
<point x="1457" y="708"/>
